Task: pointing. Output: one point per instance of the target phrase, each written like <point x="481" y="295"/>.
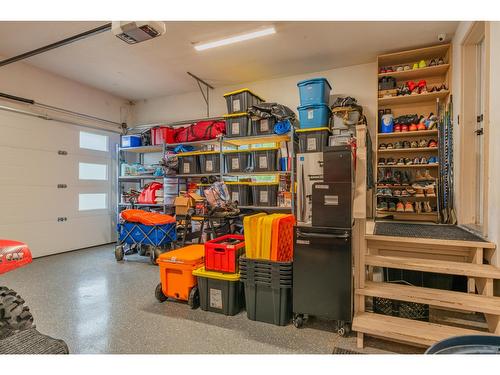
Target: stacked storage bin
<point x="238" y="123"/>
<point x="219" y="279"/>
<point x="314" y="114"/>
<point x="266" y="270"/>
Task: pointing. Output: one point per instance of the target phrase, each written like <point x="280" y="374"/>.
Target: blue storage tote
<point x="314" y="116"/>
<point x="155" y="235"/>
<point x="314" y="91"/>
<point x="131" y="140"/>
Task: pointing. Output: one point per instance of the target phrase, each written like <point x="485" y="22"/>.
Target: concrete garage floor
<point x="100" y="306"/>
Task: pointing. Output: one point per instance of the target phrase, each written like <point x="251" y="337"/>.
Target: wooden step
<point x="434" y="297"/>
<point x="429" y="241"/>
<point x="406" y="330"/>
<point x="436" y="266"/>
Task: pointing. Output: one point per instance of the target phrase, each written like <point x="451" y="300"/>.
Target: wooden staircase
<point x="464" y="258"/>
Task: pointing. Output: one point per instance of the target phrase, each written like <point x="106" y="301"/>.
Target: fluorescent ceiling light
<point x="235" y="39"/>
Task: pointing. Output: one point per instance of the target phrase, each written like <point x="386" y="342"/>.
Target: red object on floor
<point x="13" y="254"/>
<point x="222" y="254"/>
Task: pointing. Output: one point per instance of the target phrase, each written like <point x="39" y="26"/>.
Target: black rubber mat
<point x="337" y="350"/>
<point x="31" y="341"/>
<point x="439" y="232"/>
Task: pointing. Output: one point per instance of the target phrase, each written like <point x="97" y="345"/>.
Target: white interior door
<point x="45" y="200"/>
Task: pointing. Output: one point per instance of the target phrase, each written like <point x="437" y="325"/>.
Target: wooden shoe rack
<point x="421" y="104"/>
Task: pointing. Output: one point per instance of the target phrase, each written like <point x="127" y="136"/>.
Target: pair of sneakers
<point x="425" y="176"/>
<point x="423" y="207"/>
<point x="404" y="207"/>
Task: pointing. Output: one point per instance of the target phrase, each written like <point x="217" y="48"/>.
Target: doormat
<point x="438" y="232"/>
<point x="337" y="350"/>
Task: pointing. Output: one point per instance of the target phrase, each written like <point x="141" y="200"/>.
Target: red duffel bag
<point x="201" y="131"/>
<point x="163" y="134"/>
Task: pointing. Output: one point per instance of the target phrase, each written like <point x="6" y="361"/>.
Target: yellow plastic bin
<point x="219" y="292"/>
<point x="251" y="231"/>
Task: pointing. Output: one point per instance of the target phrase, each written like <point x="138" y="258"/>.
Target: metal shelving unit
<point x="220" y="142"/>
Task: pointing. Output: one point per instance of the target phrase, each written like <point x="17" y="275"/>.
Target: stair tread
<point x="412" y="331"/>
<point x="437" y="266"/>
<point x="430" y="241"/>
<point x="434" y="297"/>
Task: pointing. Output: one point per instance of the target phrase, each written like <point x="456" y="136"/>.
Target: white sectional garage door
<point x="35" y="157"/>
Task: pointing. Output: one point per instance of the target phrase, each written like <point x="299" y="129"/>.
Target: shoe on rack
<point x="407" y="67"/>
<point x="415" y="66"/>
<point x="401" y="161"/>
<point x="397" y="177"/>
<point x="397" y="193"/>
<point x="399" y="69"/>
<point x="408" y="161"/>
<point x="413" y="127"/>
<point x="397" y="128"/>
<point x="382" y="206"/>
<point x="423" y="160"/>
<point x="390" y="146"/>
<point x="433" y="62"/>
<point x="411" y="85"/>
<point x="429" y="191"/>
<point x="419" y="191"/>
<point x="391" y="161"/>
<point x="410" y="190"/>
<point x="404" y="193"/>
<point x="406" y="144"/>
<point x="414" y="144"/>
<point x="389" y="69"/>
<point x="433" y="160"/>
<point x="432" y="143"/>
<point x="419" y="176"/>
<point x="409" y="207"/>
<point x="427" y="206"/>
<point x="422" y="143"/>
<point x="404" y="128"/>
<point x="387" y="192"/>
<point x="398" y="145"/>
<point x="405" y="178"/>
<point x="381" y="161"/>
<point x="440" y="61"/>
<point x="427" y="176"/>
<point x="416" y="160"/>
<point x="400" y="207"/>
<point x="392" y="206"/>
<point x="418" y="207"/>
<point x="421" y="126"/>
<point x="443" y="87"/>
<point x="422" y="64"/>
<point x="434" y="89"/>
<point x="380" y="192"/>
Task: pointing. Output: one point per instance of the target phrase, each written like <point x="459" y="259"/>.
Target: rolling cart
<point x="152" y="240"/>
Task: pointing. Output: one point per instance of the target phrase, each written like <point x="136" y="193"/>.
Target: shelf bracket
<point x="205" y="92"/>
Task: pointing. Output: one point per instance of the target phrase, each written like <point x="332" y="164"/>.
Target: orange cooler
<point x="176" y="272"/>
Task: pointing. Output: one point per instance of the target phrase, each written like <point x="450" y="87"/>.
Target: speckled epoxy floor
<point x="100" y="306"/>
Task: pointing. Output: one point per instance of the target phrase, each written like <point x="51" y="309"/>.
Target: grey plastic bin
<point x="237" y="161"/>
<point x="238" y="125"/>
<point x="265" y="160"/>
<point x="264" y="194"/>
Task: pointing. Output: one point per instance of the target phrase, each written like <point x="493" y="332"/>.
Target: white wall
<point x="358" y="81"/>
<point x="494" y="137"/>
<point x="22" y="79"/>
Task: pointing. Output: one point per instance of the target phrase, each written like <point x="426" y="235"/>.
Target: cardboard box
<point x="185" y="203"/>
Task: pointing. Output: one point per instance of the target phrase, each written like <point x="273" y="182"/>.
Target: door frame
<point x="468" y="122"/>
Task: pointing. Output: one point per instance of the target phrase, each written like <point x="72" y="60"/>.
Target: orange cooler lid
<point x="192" y="254"/>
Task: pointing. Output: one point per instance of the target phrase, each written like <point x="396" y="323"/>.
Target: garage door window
<point x="91" y="171"/>
<point x="93" y="141"/>
<point x="92" y="201"/>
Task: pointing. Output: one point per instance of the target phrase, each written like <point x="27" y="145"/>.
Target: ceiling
<point x="158" y="67"/>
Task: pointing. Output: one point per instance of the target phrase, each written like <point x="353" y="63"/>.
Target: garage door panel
<point x="48" y="237"/>
<point x="31" y="169"/>
<point x="33" y="133"/>
<point x="33" y="203"/>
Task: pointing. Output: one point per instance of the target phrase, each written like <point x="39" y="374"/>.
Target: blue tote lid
<point x="313" y="80"/>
